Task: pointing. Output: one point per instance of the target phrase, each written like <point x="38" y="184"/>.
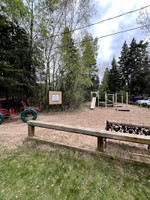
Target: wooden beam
<point x="31" y="131"/>
<point x="91" y="132"/>
<point x="97" y="153"/>
<point x="122" y="109"/>
<point x="100" y="144"/>
<point x="143" y="155"/>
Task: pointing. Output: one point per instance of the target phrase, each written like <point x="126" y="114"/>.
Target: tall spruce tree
<point x="72" y="81"/>
<point x="123" y="66"/>
<point x="15" y="77"/>
<point x="89" y="49"/>
<point x="113" y="77"/>
<point x="134" y="67"/>
<point x="104" y="85"/>
<point x="138" y="63"/>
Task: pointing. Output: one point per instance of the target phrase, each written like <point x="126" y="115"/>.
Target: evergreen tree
<point x="72" y="81"/>
<point x="113" y="77"/>
<point x="104" y="85"/>
<point x="134" y="67"/>
<point x="15" y="76"/>
<point x="123" y="66"/>
<point x="138" y="63"/>
<point x="89" y="53"/>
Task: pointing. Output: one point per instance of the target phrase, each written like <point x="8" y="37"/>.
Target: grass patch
<point x="30" y="173"/>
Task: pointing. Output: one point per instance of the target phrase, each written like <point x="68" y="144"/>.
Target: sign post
<point x="55" y="97"/>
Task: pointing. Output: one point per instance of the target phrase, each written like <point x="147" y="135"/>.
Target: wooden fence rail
<point x="100" y="134"/>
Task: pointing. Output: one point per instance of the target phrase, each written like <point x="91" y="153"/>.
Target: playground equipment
<point x="93" y="102"/>
<point x="29" y="107"/>
<point x="104" y="100"/>
<point x="26" y="115"/>
<point x="114" y="101"/>
<point x="94" y="96"/>
<point x="108" y="100"/>
<point x="109" y="103"/>
<point x="125" y="108"/>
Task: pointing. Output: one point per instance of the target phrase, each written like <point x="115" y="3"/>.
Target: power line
<point x="108" y="19"/>
<point x="108" y="35"/>
<point x="131" y="29"/>
<point x="111" y="18"/>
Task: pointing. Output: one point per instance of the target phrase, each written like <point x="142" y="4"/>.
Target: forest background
<point x="43" y="48"/>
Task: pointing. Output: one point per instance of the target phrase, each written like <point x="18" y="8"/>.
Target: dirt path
<point x="13" y="132"/>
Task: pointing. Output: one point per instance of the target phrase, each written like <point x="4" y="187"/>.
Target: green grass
<point x="33" y="174"/>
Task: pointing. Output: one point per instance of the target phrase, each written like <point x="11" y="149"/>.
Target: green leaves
<point x="14" y="60"/>
<point x="89" y="49"/>
<point x="132" y="72"/>
<point x="113" y="77"/>
<point x="75" y="78"/>
<point x="15" y="9"/>
<point x="134" y="66"/>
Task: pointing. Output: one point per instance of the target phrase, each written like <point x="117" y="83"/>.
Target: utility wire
<point x="111" y="18"/>
<point x="104" y="36"/>
<point x="108" y="19"/>
<point x="131" y="29"/>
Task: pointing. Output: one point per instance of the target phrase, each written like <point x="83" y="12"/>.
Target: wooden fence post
<point x="31" y="131"/>
<point x="100" y="144"/>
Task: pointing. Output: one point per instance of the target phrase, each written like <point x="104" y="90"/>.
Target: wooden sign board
<point x="55" y="97"/>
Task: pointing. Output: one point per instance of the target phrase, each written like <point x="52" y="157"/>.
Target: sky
<point x="111" y="46"/>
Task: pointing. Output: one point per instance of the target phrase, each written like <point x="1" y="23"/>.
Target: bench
<point x="100" y="134"/>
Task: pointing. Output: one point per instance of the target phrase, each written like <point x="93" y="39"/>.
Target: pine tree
<point x="138" y="63"/>
<point x="134" y="67"/>
<point x="72" y="81"/>
<point x="15" y="77"/>
<point x="104" y="85"/>
<point x="89" y="53"/>
<point x="123" y="66"/>
<point x="113" y="77"/>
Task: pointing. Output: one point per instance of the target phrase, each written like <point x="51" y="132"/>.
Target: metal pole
<point x="126" y="99"/>
<point x="122" y="98"/>
<point x="105" y="99"/>
<point x="113" y="98"/>
<point x="116" y="97"/>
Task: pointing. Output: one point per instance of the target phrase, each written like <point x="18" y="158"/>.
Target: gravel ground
<point x="13" y="131"/>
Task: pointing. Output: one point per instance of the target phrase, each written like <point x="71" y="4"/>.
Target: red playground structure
<point x="31" y="107"/>
<point x="29" y="113"/>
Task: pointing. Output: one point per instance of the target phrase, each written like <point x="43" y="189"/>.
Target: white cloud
<point x="114" y="8"/>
